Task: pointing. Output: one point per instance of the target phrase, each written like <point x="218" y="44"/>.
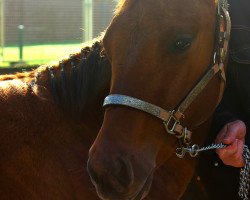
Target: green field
<point x="38" y="54"/>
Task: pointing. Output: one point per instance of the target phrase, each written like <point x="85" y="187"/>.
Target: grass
<point x="38" y="54"/>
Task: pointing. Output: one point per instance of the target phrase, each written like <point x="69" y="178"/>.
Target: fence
<point x="36" y="22"/>
<point x="1" y="29"/>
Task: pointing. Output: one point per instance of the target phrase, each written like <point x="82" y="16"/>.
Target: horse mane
<point x="78" y="80"/>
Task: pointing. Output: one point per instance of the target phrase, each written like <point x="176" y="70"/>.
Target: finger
<point x="235" y="130"/>
<point x="233" y="157"/>
<point x="229" y="151"/>
<point x="239" y="155"/>
<point x="221" y="135"/>
<point x="237" y="159"/>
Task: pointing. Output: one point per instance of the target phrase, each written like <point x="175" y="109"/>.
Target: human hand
<point x="233" y="135"/>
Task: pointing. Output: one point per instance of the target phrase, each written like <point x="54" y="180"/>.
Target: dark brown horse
<point x="158" y="50"/>
<point x="49" y="119"/>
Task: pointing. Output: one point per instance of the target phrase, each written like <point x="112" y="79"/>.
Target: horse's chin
<point x="145" y="189"/>
<point x="139" y="195"/>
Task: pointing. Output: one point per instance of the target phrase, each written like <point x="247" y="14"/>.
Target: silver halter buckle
<point x="170" y="125"/>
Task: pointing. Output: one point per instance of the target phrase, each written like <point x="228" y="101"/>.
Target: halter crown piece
<point x="171" y="119"/>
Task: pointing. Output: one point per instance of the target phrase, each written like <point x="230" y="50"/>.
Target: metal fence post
<point x="20" y="34"/>
<point x="87" y="20"/>
<point x="2" y="29"/>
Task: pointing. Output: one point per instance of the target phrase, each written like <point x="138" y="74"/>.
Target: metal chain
<point x="244" y="185"/>
<point x="195" y="149"/>
<point x="245" y="175"/>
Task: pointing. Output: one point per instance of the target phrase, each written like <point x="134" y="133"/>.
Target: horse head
<point x="159" y="50"/>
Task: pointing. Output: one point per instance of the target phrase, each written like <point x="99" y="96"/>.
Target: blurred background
<point x="34" y="32"/>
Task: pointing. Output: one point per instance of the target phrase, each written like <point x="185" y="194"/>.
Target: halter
<point x="171" y="119"/>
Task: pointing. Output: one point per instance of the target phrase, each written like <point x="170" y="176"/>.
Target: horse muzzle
<point x="115" y="179"/>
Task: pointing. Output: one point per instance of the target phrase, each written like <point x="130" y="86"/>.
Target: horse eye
<point x="182" y="44"/>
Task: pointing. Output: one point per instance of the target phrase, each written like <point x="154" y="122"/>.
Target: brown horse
<point x="50" y="116"/>
<point x="49" y="119"/>
<point x="158" y="50"/>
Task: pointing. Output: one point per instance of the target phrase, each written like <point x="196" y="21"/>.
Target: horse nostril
<point x="123" y="172"/>
<point x="115" y="175"/>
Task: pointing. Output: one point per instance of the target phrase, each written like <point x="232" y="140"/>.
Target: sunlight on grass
<point x="39" y="54"/>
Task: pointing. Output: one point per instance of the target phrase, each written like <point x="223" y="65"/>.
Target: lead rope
<point x="244" y="172"/>
<point x="244" y="175"/>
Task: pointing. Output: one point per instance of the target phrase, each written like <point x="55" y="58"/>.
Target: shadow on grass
<point x="17" y="69"/>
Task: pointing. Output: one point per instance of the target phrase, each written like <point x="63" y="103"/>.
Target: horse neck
<point x="79" y="83"/>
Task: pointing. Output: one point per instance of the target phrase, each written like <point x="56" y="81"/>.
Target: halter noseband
<point x="171" y="119"/>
